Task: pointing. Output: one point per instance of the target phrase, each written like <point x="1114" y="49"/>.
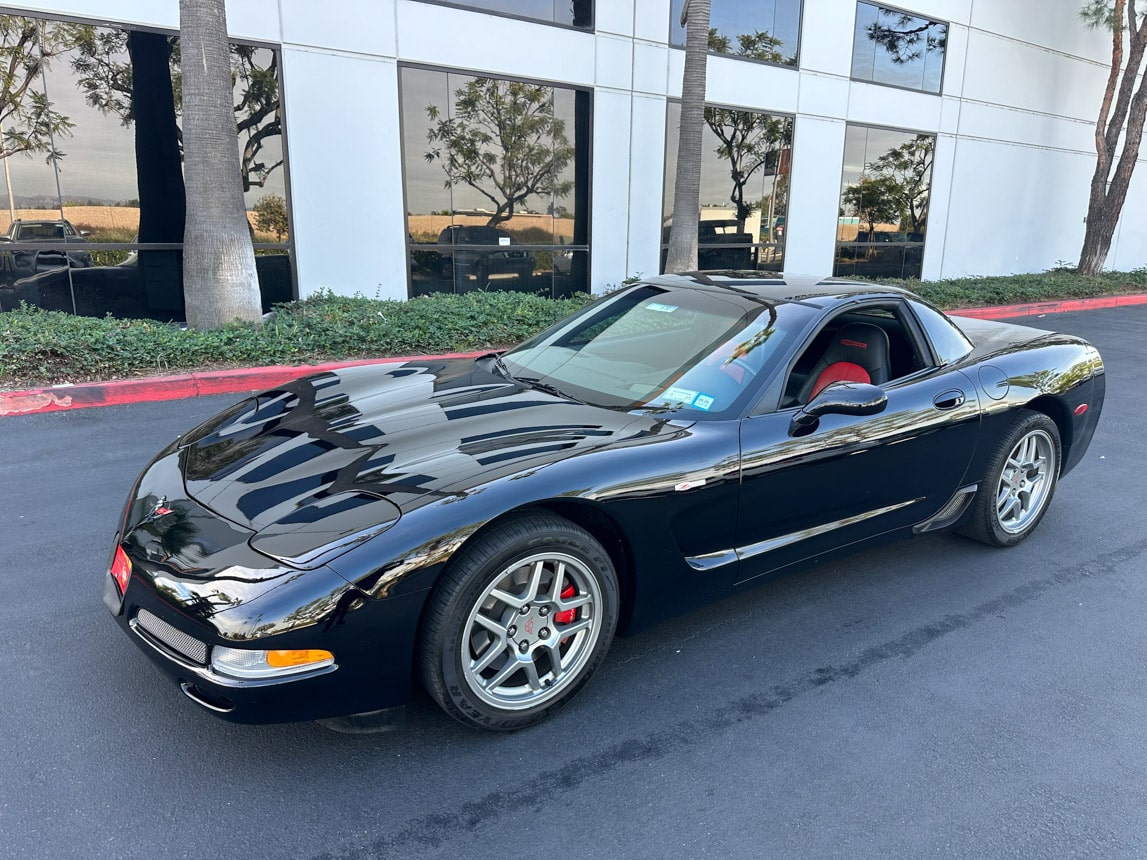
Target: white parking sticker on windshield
<point x="660" y="308"/>
<point x="682" y="395"/>
<point x="703" y="401"/>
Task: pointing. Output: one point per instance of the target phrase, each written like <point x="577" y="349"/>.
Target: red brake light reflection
<point x="121" y="569"/>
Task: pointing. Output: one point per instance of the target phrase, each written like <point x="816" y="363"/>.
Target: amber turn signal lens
<point x="283" y="659"/>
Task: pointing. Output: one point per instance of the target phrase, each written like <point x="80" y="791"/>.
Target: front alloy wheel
<point x="519" y="623"/>
<point x="531" y="631"/>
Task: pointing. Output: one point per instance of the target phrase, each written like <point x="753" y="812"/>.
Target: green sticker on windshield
<point x="660" y="308"/>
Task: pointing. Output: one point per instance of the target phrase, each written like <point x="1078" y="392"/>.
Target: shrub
<point x="47" y="347"/>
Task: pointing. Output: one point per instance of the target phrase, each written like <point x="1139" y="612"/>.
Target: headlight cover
<point x="249" y="663"/>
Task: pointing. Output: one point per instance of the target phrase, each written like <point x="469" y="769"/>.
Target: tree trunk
<point x="1122" y="112"/>
<point x="682" y="255"/>
<point x="219" y="279"/>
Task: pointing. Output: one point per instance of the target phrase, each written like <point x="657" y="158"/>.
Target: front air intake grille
<point x="175" y="640"/>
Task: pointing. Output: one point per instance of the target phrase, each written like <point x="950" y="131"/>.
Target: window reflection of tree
<point x="736" y="21"/>
<point x="750" y="142"/>
<point x="503" y="140"/>
<point x="104" y="61"/>
<point x="893" y="191"/>
<point x="906" y="38"/>
<point x="28" y="122"/>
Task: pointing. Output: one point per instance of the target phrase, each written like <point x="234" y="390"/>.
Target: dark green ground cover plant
<point x="47" y="347"/>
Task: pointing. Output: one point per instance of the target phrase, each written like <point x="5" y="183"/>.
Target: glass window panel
<point x="896" y="48"/>
<point x="746" y="157"/>
<point x="764" y="30"/>
<point x="497" y="180"/>
<point x="258" y="118"/>
<point x="32" y="131"/>
<point x="885" y="189"/>
<point x="864" y="48"/>
<point x="787" y="28"/>
<point x="90" y="82"/>
<point x="575" y="13"/>
<point x="934" y="60"/>
<point x="33" y="128"/>
<point x="425" y="102"/>
<point x="94" y="156"/>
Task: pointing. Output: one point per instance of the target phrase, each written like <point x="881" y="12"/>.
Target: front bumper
<point x="372" y="641"/>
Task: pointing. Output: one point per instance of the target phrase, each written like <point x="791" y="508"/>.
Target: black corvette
<point x="486" y="526"/>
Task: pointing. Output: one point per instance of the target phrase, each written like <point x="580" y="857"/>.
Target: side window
<point x="948" y="341"/>
<point x="872" y="344"/>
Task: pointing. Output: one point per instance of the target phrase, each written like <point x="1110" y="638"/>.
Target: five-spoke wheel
<point x="1026" y="481"/>
<point x="1019" y="482"/>
<point x="520" y="622"/>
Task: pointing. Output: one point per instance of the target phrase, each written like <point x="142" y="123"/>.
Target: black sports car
<point x="486" y="526"/>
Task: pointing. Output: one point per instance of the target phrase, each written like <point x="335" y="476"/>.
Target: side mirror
<point x="840" y="398"/>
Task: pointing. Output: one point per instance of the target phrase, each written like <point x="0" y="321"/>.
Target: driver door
<point x="852" y="477"/>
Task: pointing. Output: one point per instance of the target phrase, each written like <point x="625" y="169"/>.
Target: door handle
<point x="949" y="399"/>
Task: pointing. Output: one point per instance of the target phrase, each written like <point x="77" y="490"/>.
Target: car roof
<point x="781" y="287"/>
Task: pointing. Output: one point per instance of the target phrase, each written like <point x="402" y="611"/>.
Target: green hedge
<point x="47" y="347"/>
<point x="1018" y="289"/>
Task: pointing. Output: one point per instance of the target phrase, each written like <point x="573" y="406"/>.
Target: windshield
<point x="662" y="348"/>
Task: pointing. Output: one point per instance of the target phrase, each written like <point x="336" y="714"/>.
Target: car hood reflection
<point x="369" y="443"/>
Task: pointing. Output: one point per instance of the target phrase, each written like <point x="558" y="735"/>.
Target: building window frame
<point x="794" y="65"/>
<point x="753" y="248"/>
<point x="582" y="172"/>
<point x="869" y="245"/>
<point x="134" y="248"/>
<point x="890" y="84"/>
<point x="497" y="13"/>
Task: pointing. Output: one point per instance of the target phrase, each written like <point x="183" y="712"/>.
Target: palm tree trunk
<point x="682" y="255"/>
<point x="220" y="284"/>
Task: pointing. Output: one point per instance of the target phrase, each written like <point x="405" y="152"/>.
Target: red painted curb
<point x="243" y="380"/>
<point x="1059" y="307"/>
<point x="150" y="389"/>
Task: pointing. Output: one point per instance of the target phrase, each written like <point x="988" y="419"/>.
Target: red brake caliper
<point x="568" y="615"/>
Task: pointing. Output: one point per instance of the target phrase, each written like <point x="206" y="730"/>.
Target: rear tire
<point x="521" y="620"/>
<point x="1019" y="482"/>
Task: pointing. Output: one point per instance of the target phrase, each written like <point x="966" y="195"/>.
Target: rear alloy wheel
<point x="1019" y="484"/>
<point x="522" y="619"/>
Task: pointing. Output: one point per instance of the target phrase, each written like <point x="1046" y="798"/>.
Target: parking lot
<point x="932" y="698"/>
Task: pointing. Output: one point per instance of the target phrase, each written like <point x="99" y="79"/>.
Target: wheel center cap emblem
<point x="529" y="626"/>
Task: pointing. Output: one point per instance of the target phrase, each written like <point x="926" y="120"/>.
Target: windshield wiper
<point x="499" y="365"/>
<point x="538" y="385"/>
<point x="529" y="381"/>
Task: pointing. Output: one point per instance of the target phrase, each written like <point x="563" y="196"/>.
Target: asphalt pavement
<point x="932" y="698"/>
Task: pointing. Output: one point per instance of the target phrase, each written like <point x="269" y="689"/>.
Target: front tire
<point x="1019" y="482"/>
<point x="522" y="619"/>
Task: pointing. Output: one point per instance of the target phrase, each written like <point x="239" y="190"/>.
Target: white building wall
<point x="1014" y="124"/>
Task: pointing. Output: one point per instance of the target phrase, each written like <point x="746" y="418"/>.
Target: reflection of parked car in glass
<point x="482" y="263"/>
<point x="718" y="232"/>
<point x="48" y="231"/>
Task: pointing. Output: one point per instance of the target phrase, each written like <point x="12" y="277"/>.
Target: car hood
<point x="342" y="455"/>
